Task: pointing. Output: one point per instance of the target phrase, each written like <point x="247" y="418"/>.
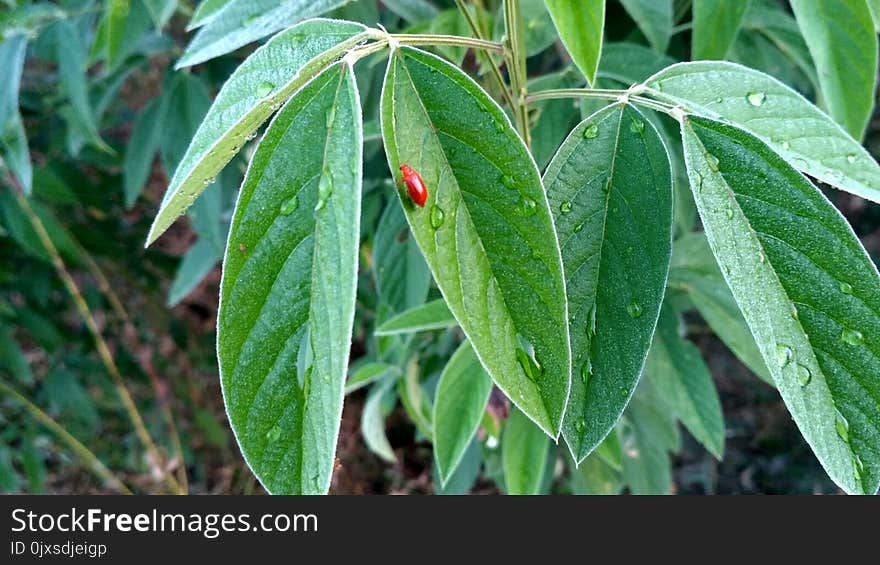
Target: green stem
<point x="516" y="66"/>
<point x="81" y="450"/>
<point x="496" y="70"/>
<point x="456" y="40"/>
<point x="602" y="94"/>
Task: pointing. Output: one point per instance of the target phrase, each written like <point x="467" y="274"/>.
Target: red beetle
<point x="415" y="186"/>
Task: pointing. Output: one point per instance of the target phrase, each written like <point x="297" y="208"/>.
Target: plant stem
<point x="516" y="66"/>
<point x="81" y="450"/>
<point x="101" y="345"/>
<point x="457" y="40"/>
<point x="603" y="94"/>
<point x="496" y="70"/>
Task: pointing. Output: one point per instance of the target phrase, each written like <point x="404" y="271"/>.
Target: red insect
<point x="415" y="186"/>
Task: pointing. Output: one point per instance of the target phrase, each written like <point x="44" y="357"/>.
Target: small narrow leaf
<point x="12" y="53"/>
<point x="798" y="131"/>
<point x="716" y="23"/>
<point x="610" y="190"/>
<point x="205" y="12"/>
<point x="240" y="22"/>
<point x="402" y="277"/>
<point x="486" y="230"/>
<point x="806" y="287"/>
<point x="379" y="402"/>
<point x="369" y="373"/>
<point x="198" y="261"/>
<point x="581" y="25"/>
<point x="683" y="381"/>
<point x="114" y="28"/>
<point x="524" y="450"/>
<point x="255" y="90"/>
<point x="434" y="315"/>
<point x="413" y="11"/>
<point x="141" y="150"/>
<point x="648" y="438"/>
<point x="288" y="289"/>
<point x="459" y="404"/>
<point x="843" y="42"/>
<point x="654" y="18"/>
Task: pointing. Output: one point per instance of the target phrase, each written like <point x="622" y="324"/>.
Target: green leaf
<point x="524" y="449"/>
<point x="288" y="289"/>
<point x="465" y="476"/>
<point x="434" y="315"/>
<point x="486" y="230"/>
<point x="843" y="42"/>
<point x="205" y="12"/>
<point x="255" y="90"/>
<point x="654" y="18"/>
<point x="594" y="476"/>
<point x="555" y="118"/>
<point x="402" y="277"/>
<point x="683" y="381"/>
<point x="15" y="153"/>
<point x="369" y="373"/>
<point x="694" y="270"/>
<point x="12" y="358"/>
<point x="874" y="6"/>
<point x="648" y="437"/>
<point x="114" y="28"/>
<point x="538" y="30"/>
<point x="380" y="401"/>
<point x="12" y="53"/>
<point x="141" y="149"/>
<point x="459" y="403"/>
<point x="240" y="22"/>
<point x="806" y="287"/>
<point x="160" y="11"/>
<point x="413" y="11"/>
<point x="778" y="26"/>
<point x="581" y="24"/>
<point x="795" y="129"/>
<point x="716" y="23"/>
<point x="630" y="63"/>
<point x="610" y="189"/>
<point x="198" y="261"/>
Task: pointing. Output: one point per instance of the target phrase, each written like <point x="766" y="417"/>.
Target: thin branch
<point x="81" y="450"/>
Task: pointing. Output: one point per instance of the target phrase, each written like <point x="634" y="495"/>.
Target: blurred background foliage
<point x="89" y="318"/>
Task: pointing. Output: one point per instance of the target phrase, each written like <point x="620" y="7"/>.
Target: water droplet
<point x="508" y="181"/>
<point x="208" y="182"/>
<point x="325" y="188"/>
<point x="794" y="311"/>
<point x="606" y="188"/>
<point x="637" y="126"/>
<point x="842" y="427"/>
<point x="859" y="465"/>
<point x="719" y="100"/>
<point x="586" y="371"/>
<point x="634" y="309"/>
<point x="265" y="88"/>
<point x="289" y="206"/>
<point x="804" y="375"/>
<point x="565" y="207"/>
<point x="712" y="160"/>
<point x="580" y="425"/>
<point x="437" y="217"/>
<point x="761" y="257"/>
<point x="846" y="288"/>
<point x="527" y="207"/>
<point x="273" y="434"/>
<point x="729" y="213"/>
<point x="852" y="337"/>
<point x="699" y="183"/>
<point x="851" y="158"/>
<point x="578" y="228"/>
<point x="591" y="131"/>
<point x="251" y="136"/>
<point x="525" y="354"/>
<point x="756" y="98"/>
<point x="784" y="355"/>
<point x="786" y="145"/>
<point x="499" y="127"/>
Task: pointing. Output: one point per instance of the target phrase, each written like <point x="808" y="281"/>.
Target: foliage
<point x="601" y="175"/>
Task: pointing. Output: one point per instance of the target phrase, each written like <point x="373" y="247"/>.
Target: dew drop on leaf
<point x="852" y="337"/>
<point x="637" y="126"/>
<point x="273" y="434"/>
<point x="265" y="88"/>
<point x="591" y="131"/>
<point x="846" y="288"/>
<point x="578" y="228"/>
<point x="712" y="160"/>
<point x="508" y="182"/>
<point x="634" y="309"/>
<point x="289" y="206"/>
<point x="851" y="158"/>
<point x="804" y="375"/>
<point x="325" y="188"/>
<point x="527" y="206"/>
<point x="580" y="425"/>
<point x="565" y="207"/>
<point x="784" y="355"/>
<point x="756" y="98"/>
<point x="786" y="145"/>
<point x="587" y="371"/>
<point x="842" y="427"/>
<point x="729" y="213"/>
<point x="437" y="217"/>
